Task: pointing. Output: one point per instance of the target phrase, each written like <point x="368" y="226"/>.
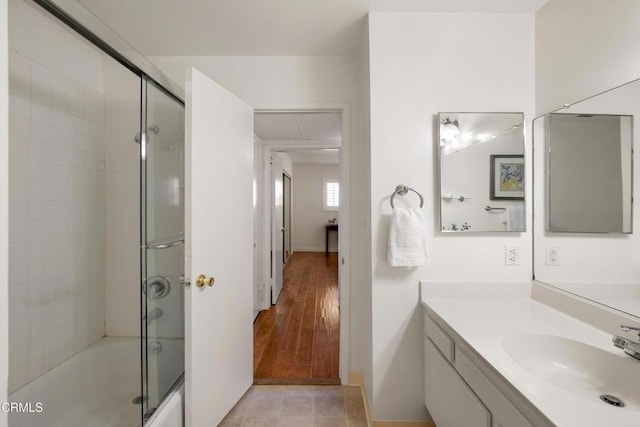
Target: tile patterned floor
<point x="299" y="406"/>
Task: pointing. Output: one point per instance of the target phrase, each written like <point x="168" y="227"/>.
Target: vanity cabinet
<point x="457" y="393"/>
<point x="448" y="398"/>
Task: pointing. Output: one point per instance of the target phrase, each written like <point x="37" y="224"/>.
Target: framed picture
<point x="507" y="177"/>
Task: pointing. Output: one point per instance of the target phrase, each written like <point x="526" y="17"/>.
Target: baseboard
<point x="357" y="379"/>
<point x="296" y="381"/>
<point x="403" y="424"/>
<point x="314" y="249"/>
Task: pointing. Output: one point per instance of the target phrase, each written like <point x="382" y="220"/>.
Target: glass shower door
<point x="162" y="236"/>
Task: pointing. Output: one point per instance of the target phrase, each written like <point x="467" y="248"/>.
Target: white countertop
<point x="483" y="315"/>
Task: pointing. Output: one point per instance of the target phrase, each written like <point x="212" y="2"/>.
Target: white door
<point x="219" y="244"/>
<point x="278" y="226"/>
<point x="258" y="287"/>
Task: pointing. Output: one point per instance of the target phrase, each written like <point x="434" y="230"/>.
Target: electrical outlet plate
<point x="512" y="255"/>
<point x="552" y="257"/>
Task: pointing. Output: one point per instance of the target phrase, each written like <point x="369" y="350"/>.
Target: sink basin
<point x="577" y="367"/>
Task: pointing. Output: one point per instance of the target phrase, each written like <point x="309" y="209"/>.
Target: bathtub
<point x="95" y="387"/>
<point x="171" y="412"/>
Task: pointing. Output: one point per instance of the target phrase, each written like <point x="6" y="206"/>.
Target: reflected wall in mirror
<point x="481" y="166"/>
<point x="589" y="172"/>
<point x="602" y="267"/>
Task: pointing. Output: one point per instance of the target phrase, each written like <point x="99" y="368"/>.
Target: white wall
<point x="362" y="321"/>
<point x="4" y="205"/>
<point x="584" y="47"/>
<point x="308" y="232"/>
<point x="265" y="81"/>
<point x="56" y="271"/>
<point x="440" y="62"/>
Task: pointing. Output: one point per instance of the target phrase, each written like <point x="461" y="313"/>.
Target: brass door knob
<point x="203" y="280"/>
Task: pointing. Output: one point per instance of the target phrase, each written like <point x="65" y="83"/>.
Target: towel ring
<point x="402" y="190"/>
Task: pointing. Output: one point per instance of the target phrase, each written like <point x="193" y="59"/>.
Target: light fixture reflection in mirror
<point x="449" y="131"/>
<point x="476" y="151"/>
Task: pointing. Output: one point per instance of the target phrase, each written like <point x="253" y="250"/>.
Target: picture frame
<point x="506" y="177"/>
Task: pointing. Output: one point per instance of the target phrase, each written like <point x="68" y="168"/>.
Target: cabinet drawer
<point x="448" y="398"/>
<point x="439" y="338"/>
<point x="501" y="409"/>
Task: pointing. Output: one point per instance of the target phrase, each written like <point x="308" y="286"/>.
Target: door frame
<point x="344" y="243"/>
<point x="273" y="214"/>
<point x="286" y="206"/>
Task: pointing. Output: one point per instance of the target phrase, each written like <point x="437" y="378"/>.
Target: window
<point x="330" y="195"/>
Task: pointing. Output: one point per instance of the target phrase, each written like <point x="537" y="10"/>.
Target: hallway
<point x="297" y="340"/>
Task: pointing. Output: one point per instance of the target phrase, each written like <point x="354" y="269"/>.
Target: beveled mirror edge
<point x="439" y="195"/>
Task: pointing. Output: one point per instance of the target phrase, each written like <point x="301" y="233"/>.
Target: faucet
<point x="632" y="348"/>
<point x="157" y="313"/>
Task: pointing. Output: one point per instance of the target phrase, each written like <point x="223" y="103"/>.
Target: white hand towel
<point x="407" y="238"/>
<point x="515" y="218"/>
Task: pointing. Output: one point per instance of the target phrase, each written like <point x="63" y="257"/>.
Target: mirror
<point x="596" y="259"/>
<point x="589" y="170"/>
<point x="481" y="165"/>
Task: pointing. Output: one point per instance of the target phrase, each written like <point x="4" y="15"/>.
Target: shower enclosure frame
<point x="150" y="245"/>
<point x="74" y="17"/>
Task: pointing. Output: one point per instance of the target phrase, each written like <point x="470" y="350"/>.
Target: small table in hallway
<point x="327" y="228"/>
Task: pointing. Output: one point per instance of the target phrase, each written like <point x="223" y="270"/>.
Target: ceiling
<point x="306" y="137"/>
<point x="264" y="27"/>
<point x="299" y="130"/>
<point x="330" y="156"/>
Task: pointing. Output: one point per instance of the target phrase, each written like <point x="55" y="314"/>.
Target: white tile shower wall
<point x="165" y="157"/>
<point x="164" y="215"/>
<point x="4" y="205"/>
<point x="56" y="218"/>
<point x="122" y="178"/>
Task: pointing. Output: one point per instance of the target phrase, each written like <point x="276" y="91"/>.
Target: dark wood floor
<point x="297" y="340"/>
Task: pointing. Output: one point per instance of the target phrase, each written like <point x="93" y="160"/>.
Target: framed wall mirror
<point x="584" y="188"/>
<point x="481" y="172"/>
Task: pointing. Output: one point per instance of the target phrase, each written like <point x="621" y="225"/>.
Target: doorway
<point x="297" y="335"/>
